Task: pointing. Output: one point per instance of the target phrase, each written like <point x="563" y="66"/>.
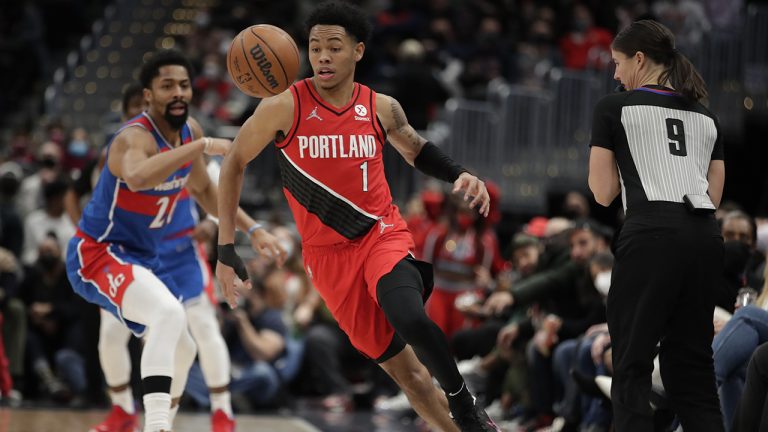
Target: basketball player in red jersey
<point x="329" y="133"/>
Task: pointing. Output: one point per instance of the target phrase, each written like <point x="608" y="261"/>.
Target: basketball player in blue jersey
<point x="183" y="258"/>
<point x="113" y="260"/>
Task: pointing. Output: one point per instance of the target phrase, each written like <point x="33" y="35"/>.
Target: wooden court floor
<point x="33" y="420"/>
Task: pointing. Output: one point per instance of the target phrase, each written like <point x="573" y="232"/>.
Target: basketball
<point x="263" y="60"/>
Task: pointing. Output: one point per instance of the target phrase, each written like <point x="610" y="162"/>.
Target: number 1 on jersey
<point x="364" y="167"/>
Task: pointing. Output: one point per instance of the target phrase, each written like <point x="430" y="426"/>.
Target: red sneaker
<point x="118" y="421"/>
<point x="221" y="422"/>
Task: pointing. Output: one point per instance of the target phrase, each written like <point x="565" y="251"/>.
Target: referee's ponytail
<point x="658" y="43"/>
<point x="684" y="77"/>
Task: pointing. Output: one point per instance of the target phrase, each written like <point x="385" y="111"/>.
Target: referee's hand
<point x="473" y="188"/>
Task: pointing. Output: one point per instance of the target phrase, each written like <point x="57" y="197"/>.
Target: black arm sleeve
<point x="433" y="162"/>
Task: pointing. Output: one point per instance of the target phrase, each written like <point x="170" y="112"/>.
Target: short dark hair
<point x="350" y="17"/>
<point x="522" y="240"/>
<point x="131" y="91"/>
<point x="151" y="68"/>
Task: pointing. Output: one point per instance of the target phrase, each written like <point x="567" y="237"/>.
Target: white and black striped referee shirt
<point x="663" y="143"/>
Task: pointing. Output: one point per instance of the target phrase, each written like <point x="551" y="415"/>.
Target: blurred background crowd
<point x="506" y="86"/>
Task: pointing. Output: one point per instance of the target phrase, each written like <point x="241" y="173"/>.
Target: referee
<point x="659" y="147"/>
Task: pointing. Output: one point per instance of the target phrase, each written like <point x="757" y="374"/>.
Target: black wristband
<point x="229" y="257"/>
<point x="433" y="162"/>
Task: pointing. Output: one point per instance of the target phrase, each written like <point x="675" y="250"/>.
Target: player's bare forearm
<point x="141" y="172"/>
<point x="400" y="133"/>
<point x="230" y="184"/>
<point x="243" y="221"/>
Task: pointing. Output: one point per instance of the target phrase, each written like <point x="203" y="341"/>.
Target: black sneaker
<point x="475" y="420"/>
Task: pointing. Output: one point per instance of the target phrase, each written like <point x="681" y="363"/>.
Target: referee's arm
<point x="716" y="179"/>
<point x="604" y="175"/>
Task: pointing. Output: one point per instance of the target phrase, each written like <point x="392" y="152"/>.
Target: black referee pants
<point x="666" y="270"/>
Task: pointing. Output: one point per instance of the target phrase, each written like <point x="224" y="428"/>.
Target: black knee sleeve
<point x="401" y="297"/>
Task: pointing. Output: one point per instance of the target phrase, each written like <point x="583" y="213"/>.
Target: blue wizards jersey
<point x="137" y="221"/>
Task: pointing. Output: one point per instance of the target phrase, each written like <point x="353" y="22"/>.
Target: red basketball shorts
<point x="346" y="275"/>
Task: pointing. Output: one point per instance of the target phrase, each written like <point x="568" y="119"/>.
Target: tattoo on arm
<point x="402" y="127"/>
<point x="398" y="115"/>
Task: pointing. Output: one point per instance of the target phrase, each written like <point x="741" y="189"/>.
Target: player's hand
<point x="473" y="188"/>
<point x="216" y="146"/>
<point x="268" y="245"/>
<point x="230" y="270"/>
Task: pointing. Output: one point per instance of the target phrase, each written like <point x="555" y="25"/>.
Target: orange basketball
<point x="263" y="60"/>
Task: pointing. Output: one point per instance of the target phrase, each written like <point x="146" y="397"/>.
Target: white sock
<point x="124" y="399"/>
<point x="172" y="415"/>
<point x="222" y="401"/>
<point x="157" y="408"/>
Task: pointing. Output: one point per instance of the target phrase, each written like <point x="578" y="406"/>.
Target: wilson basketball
<point x="263" y="60"/>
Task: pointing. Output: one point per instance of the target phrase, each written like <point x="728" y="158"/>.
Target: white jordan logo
<point x="313" y="114"/>
<point x="383" y="226"/>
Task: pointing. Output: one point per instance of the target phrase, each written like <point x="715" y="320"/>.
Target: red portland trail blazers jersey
<point x="332" y="167"/>
<point x="135" y="220"/>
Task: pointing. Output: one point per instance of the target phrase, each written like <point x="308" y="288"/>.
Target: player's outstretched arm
<point x="427" y="157"/>
<point x="133" y="157"/>
<point x="273" y="116"/>
<point x="204" y="190"/>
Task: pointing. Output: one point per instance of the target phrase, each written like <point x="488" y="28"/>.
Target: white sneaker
<point x="398" y="402"/>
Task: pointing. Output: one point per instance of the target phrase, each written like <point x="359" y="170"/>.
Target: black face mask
<point x="176" y="121"/>
<point x="735" y="256"/>
<point x="48" y="162"/>
<point x="48" y="261"/>
<point x="9" y="186"/>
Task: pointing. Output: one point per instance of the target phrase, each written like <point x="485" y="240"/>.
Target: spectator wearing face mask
<point x="586" y="45"/>
<point x="30" y="195"/>
<point x="79" y="152"/>
<point x="458" y="251"/>
<point x="11" y="227"/>
<point x="584" y="358"/>
<point x="740" y="227"/>
<point x="51" y="218"/>
<point x="55" y="323"/>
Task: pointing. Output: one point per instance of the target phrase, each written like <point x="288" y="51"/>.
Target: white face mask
<point x="603" y="283"/>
